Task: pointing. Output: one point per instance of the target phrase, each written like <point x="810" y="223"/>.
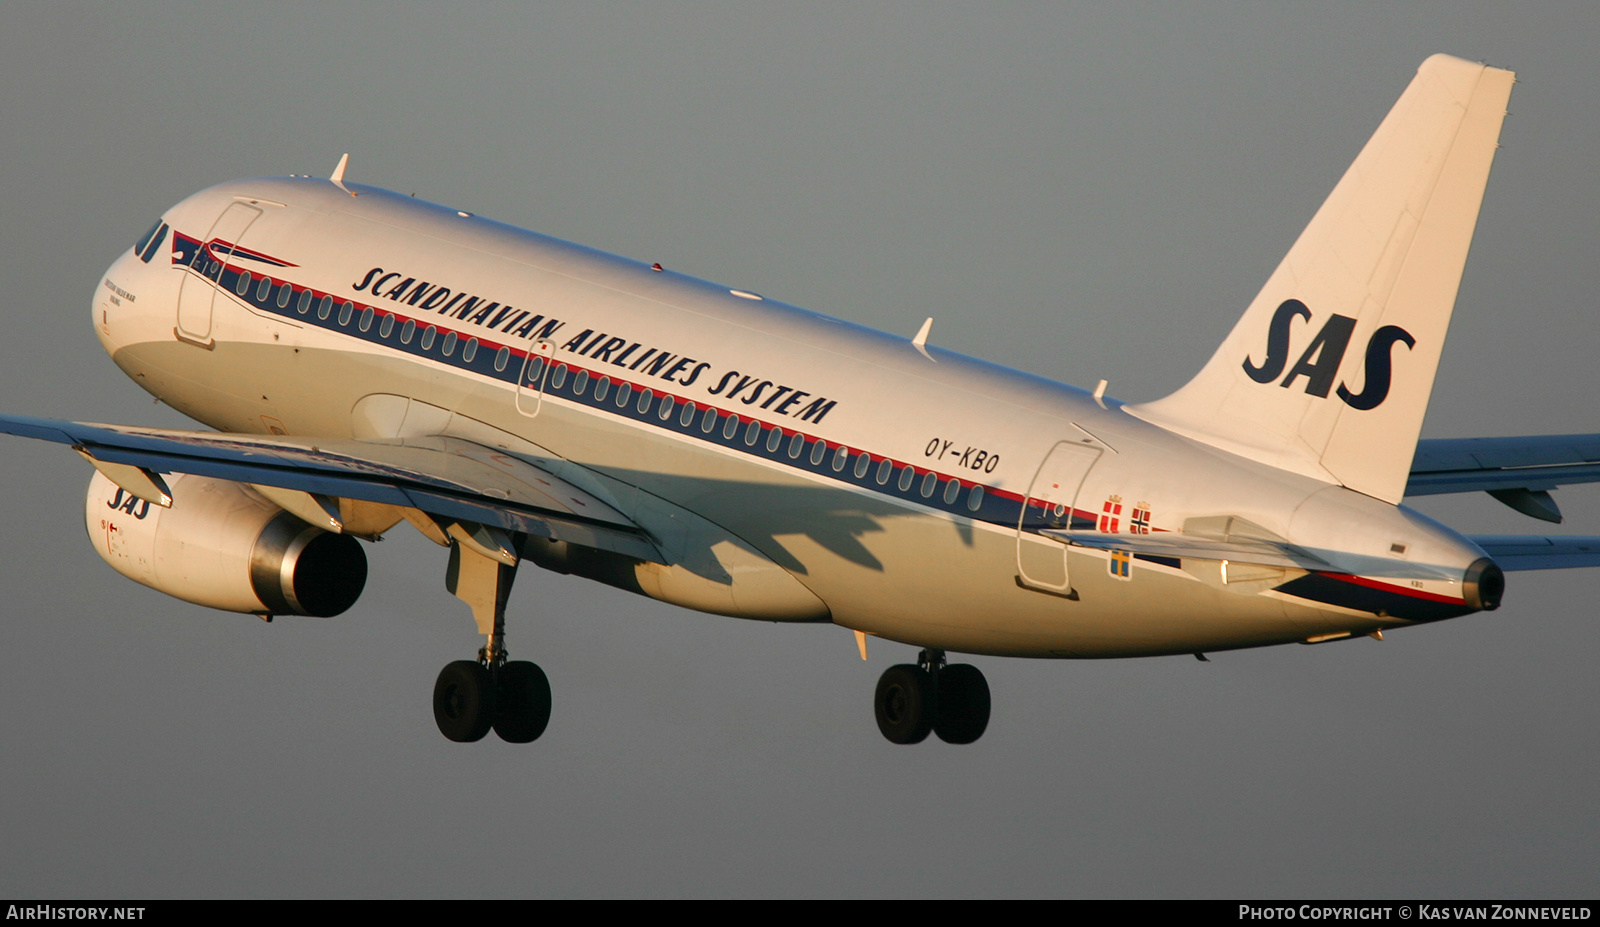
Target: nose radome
<point x="1483" y="585"/>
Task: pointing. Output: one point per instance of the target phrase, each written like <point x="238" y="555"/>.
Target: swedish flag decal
<point x="1122" y="564"/>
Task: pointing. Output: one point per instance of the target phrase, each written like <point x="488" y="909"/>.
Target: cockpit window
<point x="145" y="238"/>
<point x="150" y="241"/>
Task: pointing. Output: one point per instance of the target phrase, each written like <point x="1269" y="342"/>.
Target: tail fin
<point x="1329" y="371"/>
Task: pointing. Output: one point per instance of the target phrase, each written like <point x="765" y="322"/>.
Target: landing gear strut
<point x="470" y="697"/>
<point x="951" y="701"/>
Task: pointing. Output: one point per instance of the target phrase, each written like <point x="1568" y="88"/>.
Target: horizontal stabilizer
<point x="1533" y="552"/>
<point x="1534" y="463"/>
<point x="453" y="479"/>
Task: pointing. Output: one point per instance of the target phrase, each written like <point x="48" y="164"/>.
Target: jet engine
<point x="224" y="546"/>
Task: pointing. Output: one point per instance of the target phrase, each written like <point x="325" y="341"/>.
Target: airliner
<point x="368" y="361"/>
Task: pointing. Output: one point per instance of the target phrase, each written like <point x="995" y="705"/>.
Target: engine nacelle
<point x="222" y="546"/>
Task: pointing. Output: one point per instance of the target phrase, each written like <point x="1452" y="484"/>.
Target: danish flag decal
<point x="1111" y="515"/>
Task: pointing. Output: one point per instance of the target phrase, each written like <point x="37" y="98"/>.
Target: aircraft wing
<point x="1518" y="471"/>
<point x="1534" y="552"/>
<point x="452" y="479"/>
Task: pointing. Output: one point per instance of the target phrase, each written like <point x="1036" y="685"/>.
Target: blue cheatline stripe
<point x="774" y="443"/>
<point x="573" y="383"/>
<point x="1348" y="592"/>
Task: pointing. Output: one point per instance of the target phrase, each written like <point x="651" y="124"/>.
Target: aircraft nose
<point x="1483" y="585"/>
<point x="128" y="286"/>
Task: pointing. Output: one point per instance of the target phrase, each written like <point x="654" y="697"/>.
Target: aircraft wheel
<point x="963" y="704"/>
<point x="463" y="701"/>
<point x="522" y="702"/>
<point x="904" y="704"/>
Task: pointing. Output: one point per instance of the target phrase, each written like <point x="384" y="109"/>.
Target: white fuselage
<point x="885" y="480"/>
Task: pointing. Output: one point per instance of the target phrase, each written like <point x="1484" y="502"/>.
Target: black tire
<point x="463" y="701"/>
<point x="963" y="704"/>
<point x="522" y="706"/>
<point x="904" y="704"/>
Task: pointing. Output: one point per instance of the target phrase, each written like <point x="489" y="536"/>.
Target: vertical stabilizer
<point x="1329" y="371"/>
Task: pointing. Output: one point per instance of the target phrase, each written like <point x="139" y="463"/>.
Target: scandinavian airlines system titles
<point x="598" y="346"/>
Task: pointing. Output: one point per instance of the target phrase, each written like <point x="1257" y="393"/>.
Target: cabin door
<point x="199" y="289"/>
<point x="1042" y="561"/>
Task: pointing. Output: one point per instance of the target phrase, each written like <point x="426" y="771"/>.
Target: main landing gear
<point x="470" y="697"/>
<point x="951" y="701"/>
<point x="513" y="698"/>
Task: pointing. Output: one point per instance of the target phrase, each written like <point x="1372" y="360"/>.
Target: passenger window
<point x="601" y="387"/>
<point x="645" y="398"/>
<point x="819" y="450"/>
<point x="264" y="290"/>
<point x="346" y="310"/>
<point x="427" y="338"/>
<point x="501" y="357"/>
<point x="952" y="492"/>
<point x="624" y="390"/>
<point x="407" y="330"/>
<point x="975" y="498"/>
<point x="863" y="462"/>
<point x="470" y="351"/>
<point x="285" y="293"/>
<point x="796" y="445"/>
<point x="929" y="481"/>
<point x="752" y="433"/>
<point x="386" y="327"/>
<point x="558" y="376"/>
<point x="304" y="305"/>
<point x="243" y="286"/>
<point x="730" y="425"/>
<point x="774" y="438"/>
<point x="686" y="418"/>
<point x="366" y="319"/>
<point x="580" y="383"/>
<point x="884" y="469"/>
<point x="449" y="344"/>
<point x="840" y="458"/>
<point x="324" y="307"/>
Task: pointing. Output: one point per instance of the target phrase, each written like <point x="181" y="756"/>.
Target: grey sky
<point x="1080" y="191"/>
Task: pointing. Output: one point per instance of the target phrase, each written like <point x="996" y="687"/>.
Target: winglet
<point x="338" y="173"/>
